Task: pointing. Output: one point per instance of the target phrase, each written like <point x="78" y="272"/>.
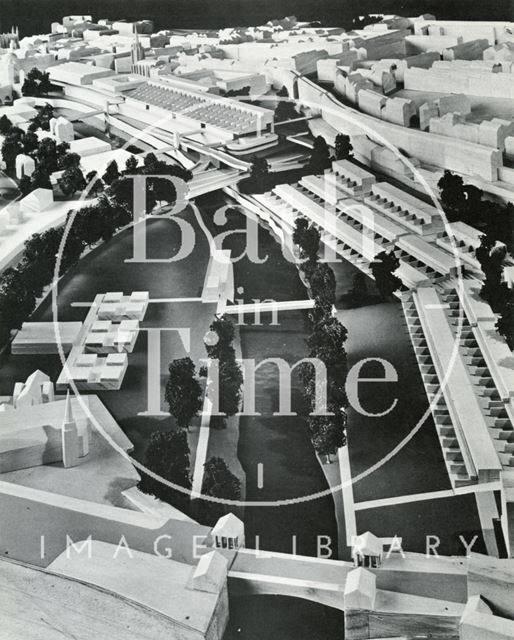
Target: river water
<point x="281" y="444"/>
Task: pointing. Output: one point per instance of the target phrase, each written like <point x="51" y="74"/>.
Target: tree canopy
<point x="218" y="482"/>
<point x="183" y="391"/>
<point x="383" y="267"/>
<point x="37" y="83"/>
<point x="343" y="147"/>
<point x="167" y="455"/>
<point x="320" y="159"/>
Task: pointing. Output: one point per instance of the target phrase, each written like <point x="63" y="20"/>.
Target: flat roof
<point x="83" y="612"/>
<point x="101" y="476"/>
<point x="149" y="580"/>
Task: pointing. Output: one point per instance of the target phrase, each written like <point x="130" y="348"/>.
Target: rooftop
<point x="102" y="476"/>
<point x="158" y="583"/>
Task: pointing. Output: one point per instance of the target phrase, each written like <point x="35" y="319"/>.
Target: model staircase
<point x="452" y="454"/>
<point x="496" y="413"/>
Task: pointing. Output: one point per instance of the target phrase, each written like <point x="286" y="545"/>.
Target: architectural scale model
<point x="257" y="329"/>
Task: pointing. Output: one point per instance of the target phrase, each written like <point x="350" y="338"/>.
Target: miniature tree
<point x="505" y="323"/>
<point x="16" y="300"/>
<point x="94" y="182"/>
<point x="111" y="173"/>
<point x="307" y="238"/>
<point x="218" y="482"/>
<point x="131" y="165"/>
<point x="39" y="258"/>
<point x="12" y="147"/>
<point x="328" y="433"/>
<point x="30" y="142"/>
<point x="37" y="83"/>
<point x="259" y="174"/>
<point x="42" y="119"/>
<point x="183" y="391"/>
<point x="71" y="181"/>
<point x="492" y="257"/>
<point x="40" y="179"/>
<point x="230" y="376"/>
<point x="68" y="160"/>
<point x="243" y="91"/>
<point x="300" y="225"/>
<point x="150" y="163"/>
<point x="343" y="147"/>
<point x="167" y="456"/>
<point x="383" y="267"/>
<point x="320" y="159"/>
<point x="285" y="111"/>
<point x="452" y="193"/>
<point x="25" y="185"/>
<point x="5" y="125"/>
<point x="359" y="290"/>
<point x="322" y="283"/>
<point x="48" y="155"/>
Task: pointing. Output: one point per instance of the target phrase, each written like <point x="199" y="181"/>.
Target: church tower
<point x="70" y="437"/>
<point x="137" y="51"/>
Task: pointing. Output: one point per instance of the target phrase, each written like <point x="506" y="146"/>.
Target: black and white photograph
<point x="256" y="320"/>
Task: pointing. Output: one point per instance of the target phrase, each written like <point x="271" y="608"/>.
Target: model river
<point x="279" y="443"/>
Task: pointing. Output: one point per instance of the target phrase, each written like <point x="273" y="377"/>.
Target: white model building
<point x="36" y="201"/>
<point x="62" y="129"/>
<point x="25" y="166"/>
<point x="50" y="434"/>
<point x="37" y="389"/>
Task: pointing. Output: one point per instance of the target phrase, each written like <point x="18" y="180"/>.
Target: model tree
<point x="39" y="258"/>
<point x="243" y="91"/>
<point x="111" y="173"/>
<point x="131" y="165"/>
<point x="328" y="433"/>
<point x="383" y="267"/>
<point x="285" y="111"/>
<point x="71" y="181"/>
<point x="37" y="83"/>
<point x="183" y="392"/>
<point x="230" y="376"/>
<point x="68" y="160"/>
<point x="452" y="193"/>
<point x="5" y="125"/>
<point x="167" y="456"/>
<point x="224" y="329"/>
<point x="319" y="159"/>
<point x="322" y="282"/>
<point x="16" y="301"/>
<point x="343" y="147"/>
<point x="505" y="323"/>
<point x="307" y="238"/>
<point x="359" y="290"/>
<point x="40" y="179"/>
<point x="259" y="174"/>
<point x="30" y="142"/>
<point x="25" y="185"/>
<point x="94" y="183"/>
<point x="48" y="155"/>
<point x="42" y="119"/>
<point x="12" y="147"/>
<point x="491" y="258"/>
<point x="218" y="482"/>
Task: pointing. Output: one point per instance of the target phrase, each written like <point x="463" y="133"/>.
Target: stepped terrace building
<point x="205" y="111"/>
